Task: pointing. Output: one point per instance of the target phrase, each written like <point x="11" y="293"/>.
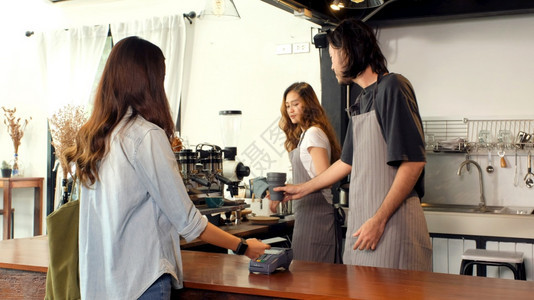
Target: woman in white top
<point x="312" y="146"/>
<point x="133" y="206"/>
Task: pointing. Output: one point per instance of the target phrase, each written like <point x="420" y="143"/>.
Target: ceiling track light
<point x="335" y="5"/>
<point x="363" y="4"/>
<point x="355" y="4"/>
<point x="303" y="13"/>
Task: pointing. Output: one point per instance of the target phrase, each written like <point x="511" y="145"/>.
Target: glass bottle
<point x="16" y="166"/>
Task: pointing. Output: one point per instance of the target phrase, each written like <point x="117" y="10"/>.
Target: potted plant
<point x="6" y="169"/>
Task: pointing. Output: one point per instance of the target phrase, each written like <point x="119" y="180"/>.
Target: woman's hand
<point x="255" y="248"/>
<point x="273" y="204"/>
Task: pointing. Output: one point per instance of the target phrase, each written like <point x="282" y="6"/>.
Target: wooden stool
<point x="512" y="260"/>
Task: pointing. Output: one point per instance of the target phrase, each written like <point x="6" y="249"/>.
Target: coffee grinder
<point x="233" y="170"/>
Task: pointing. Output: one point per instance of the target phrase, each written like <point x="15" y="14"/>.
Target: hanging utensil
<point x="489" y="168"/>
<point x="516" y="173"/>
<point x="528" y="178"/>
<point x="503" y="161"/>
<point x="523" y="138"/>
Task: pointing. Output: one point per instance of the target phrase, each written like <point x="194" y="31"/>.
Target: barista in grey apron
<point x="405" y="242"/>
<point x="313" y="233"/>
<point x="386" y="179"/>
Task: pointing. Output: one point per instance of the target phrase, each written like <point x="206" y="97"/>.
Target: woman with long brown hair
<point x="312" y="147"/>
<point x="133" y="204"/>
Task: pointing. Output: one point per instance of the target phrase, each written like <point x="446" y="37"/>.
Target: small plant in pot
<point x="6" y="169"/>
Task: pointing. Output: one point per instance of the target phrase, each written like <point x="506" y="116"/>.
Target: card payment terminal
<point x="271" y="260"/>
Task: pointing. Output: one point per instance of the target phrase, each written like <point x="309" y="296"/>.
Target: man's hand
<point x="369" y="234"/>
<point x="291" y="191"/>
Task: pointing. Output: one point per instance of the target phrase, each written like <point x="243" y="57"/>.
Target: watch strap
<point x="242" y="247"/>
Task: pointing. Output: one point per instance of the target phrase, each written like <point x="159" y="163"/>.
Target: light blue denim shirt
<point x="131" y="219"/>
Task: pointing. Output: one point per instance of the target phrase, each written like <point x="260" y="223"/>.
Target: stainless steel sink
<point x="517" y="210"/>
<point x="476" y="209"/>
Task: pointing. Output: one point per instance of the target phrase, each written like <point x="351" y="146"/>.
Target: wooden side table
<point x="22" y="182"/>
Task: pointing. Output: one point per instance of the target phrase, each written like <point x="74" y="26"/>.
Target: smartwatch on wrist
<point x="242" y="247"/>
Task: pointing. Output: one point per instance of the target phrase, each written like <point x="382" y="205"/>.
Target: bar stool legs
<point x="512" y="260"/>
<point x="466" y="268"/>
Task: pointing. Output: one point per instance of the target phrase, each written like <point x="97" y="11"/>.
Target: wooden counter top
<point x="308" y="280"/>
<point x="223" y="274"/>
<point x="28" y="254"/>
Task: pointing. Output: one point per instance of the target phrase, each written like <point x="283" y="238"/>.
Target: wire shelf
<point x="473" y="135"/>
<point x="498" y="131"/>
<point x="445" y="135"/>
<point x="443" y="130"/>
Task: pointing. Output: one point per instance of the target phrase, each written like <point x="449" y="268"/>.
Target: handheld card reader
<point x="271" y="260"/>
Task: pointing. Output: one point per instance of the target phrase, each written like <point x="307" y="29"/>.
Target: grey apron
<point x="313" y="232"/>
<point x="405" y="243"/>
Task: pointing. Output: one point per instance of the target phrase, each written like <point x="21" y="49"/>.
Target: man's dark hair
<point x="357" y="41"/>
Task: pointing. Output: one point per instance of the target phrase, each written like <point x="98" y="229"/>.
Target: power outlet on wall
<point x="301" y="47"/>
<point x="283" y="49"/>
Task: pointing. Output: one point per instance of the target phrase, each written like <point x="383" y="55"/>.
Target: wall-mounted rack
<point x="478" y="135"/>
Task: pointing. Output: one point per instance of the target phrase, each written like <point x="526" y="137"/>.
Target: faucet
<point x="482" y="203"/>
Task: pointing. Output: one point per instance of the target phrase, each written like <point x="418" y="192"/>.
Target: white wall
<point x="478" y="69"/>
<point x="229" y="65"/>
<point x="473" y="68"/>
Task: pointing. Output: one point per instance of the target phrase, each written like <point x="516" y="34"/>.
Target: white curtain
<point x="168" y="33"/>
<point x="69" y="64"/>
<point x="70" y="60"/>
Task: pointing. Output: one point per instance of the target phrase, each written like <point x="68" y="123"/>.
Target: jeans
<point x="160" y="289"/>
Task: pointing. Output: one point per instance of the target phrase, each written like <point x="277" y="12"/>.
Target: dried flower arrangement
<point x="14" y="126"/>
<point x="64" y="125"/>
<point x="16" y="130"/>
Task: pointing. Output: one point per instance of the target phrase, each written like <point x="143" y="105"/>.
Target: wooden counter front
<point x="23" y="267"/>
<point x="219" y="275"/>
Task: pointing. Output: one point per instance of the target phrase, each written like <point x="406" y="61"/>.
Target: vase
<point x="16" y="166"/>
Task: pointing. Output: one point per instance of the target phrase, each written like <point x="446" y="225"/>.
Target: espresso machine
<point x="208" y="170"/>
<point x="203" y="176"/>
<point x="203" y="172"/>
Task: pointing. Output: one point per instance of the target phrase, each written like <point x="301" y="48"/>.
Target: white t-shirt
<point x="314" y="137"/>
